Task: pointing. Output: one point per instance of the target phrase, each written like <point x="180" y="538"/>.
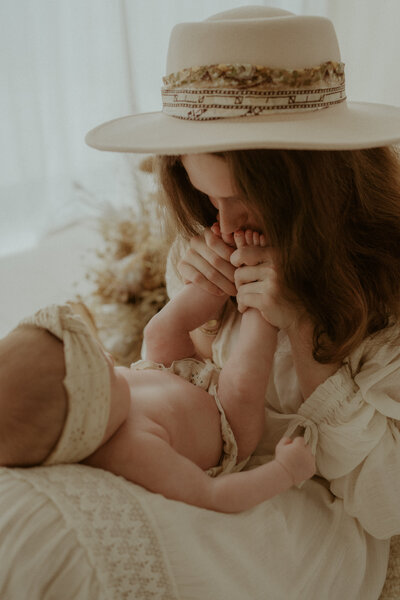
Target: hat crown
<point x="254" y="35"/>
<point x="252" y="77"/>
<point x="249" y="12"/>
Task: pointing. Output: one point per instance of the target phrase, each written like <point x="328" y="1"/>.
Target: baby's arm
<point x="293" y="464"/>
<point x="167" y="335"/>
<point x="156" y="466"/>
<point x="244" y="377"/>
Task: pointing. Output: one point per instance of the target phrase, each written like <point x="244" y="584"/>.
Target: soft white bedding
<point x="53" y="271"/>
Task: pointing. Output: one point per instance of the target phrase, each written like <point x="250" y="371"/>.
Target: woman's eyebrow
<point x="234" y="197"/>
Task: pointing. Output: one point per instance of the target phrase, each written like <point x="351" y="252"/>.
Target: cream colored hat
<point x="87" y="383"/>
<point x="252" y="77"/>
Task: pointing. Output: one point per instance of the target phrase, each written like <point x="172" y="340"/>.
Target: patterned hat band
<point x="226" y="91"/>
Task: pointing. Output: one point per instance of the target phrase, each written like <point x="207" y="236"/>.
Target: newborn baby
<point x="183" y="429"/>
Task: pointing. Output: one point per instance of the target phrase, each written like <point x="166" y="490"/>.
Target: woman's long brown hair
<point x="334" y="217"/>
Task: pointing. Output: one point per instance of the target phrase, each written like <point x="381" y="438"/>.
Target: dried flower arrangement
<point x="129" y="281"/>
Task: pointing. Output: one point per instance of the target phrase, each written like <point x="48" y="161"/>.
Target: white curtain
<point x="368" y="33"/>
<point x="67" y="65"/>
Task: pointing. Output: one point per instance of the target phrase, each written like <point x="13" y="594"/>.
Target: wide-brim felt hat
<point x="248" y="78"/>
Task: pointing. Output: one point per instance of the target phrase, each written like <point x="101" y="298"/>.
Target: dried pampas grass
<point x="129" y="279"/>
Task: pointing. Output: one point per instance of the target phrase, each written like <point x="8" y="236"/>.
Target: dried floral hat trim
<point x="327" y="74"/>
<point x="218" y="91"/>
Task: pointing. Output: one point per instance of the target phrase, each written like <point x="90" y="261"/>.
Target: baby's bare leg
<point x="244" y="377"/>
<point x="167" y="335"/>
<point x="174" y="333"/>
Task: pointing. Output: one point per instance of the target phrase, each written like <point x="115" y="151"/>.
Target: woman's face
<point x="210" y="175"/>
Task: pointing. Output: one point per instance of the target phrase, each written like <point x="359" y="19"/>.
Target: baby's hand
<point x="296" y="458"/>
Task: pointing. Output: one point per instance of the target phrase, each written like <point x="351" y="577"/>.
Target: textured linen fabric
<point x="351" y="421"/>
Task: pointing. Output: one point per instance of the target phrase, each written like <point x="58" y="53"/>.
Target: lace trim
<point x="111" y="524"/>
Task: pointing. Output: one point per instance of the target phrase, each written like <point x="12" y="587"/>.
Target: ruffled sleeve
<point x="352" y="423"/>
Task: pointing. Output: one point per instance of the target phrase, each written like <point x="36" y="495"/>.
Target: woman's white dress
<point x="77" y="532"/>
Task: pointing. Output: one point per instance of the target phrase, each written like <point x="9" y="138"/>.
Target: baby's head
<point x="54" y="390"/>
<point x="33" y="400"/>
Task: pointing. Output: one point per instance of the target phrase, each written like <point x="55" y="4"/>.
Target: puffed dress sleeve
<point x="352" y="422"/>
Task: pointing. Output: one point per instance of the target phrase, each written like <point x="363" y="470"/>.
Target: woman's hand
<point x="207" y="263"/>
<point x="258" y="282"/>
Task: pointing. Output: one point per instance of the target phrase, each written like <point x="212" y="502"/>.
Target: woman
<point x="275" y="148"/>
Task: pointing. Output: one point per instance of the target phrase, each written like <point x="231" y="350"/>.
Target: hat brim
<point x="346" y="126"/>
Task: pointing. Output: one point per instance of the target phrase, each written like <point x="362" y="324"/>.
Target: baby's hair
<point x="334" y="216"/>
<point x="33" y="401"/>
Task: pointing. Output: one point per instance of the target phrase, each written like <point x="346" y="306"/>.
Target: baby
<point x="183" y="428"/>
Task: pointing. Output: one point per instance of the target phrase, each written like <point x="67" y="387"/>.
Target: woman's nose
<point x="232" y="217"/>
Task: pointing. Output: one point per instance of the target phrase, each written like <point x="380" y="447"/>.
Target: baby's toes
<point x="256" y="238"/>
<point x="249" y="237"/>
<point x="240" y="239"/>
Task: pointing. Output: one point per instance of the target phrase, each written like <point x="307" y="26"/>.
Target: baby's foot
<point x="249" y="238"/>
<point x="244" y="238"/>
